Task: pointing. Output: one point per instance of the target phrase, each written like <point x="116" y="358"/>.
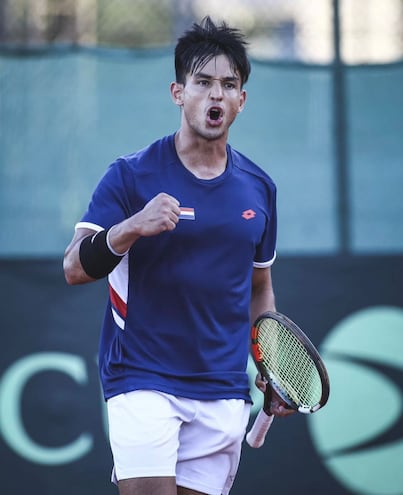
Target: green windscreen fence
<point x="66" y="114"/>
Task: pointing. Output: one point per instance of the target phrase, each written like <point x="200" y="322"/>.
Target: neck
<point x="206" y="159"/>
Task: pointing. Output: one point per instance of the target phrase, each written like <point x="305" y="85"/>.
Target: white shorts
<point x="198" y="442"/>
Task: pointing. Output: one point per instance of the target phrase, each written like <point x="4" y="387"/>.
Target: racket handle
<point x="258" y="432"/>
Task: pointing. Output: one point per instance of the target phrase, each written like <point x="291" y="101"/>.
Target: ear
<point x="242" y="101"/>
<point x="177" y="93"/>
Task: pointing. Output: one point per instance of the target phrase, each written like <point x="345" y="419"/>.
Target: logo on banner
<point x="359" y="434"/>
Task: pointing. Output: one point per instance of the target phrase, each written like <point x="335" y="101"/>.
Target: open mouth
<point x="215" y="113"/>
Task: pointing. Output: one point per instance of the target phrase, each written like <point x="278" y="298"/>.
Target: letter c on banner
<point x="11" y="424"/>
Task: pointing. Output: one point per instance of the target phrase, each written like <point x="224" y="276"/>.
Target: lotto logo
<point x="248" y="214"/>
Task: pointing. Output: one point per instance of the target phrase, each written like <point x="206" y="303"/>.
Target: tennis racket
<point x="292" y="367"/>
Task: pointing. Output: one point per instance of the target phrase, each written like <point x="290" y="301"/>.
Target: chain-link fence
<point x="297" y="30"/>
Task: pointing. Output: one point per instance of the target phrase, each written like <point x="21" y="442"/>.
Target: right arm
<point x="159" y="215"/>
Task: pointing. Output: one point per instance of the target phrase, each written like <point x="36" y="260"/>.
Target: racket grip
<point x="260" y="427"/>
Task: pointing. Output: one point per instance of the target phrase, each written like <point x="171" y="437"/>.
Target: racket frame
<point x="311" y="350"/>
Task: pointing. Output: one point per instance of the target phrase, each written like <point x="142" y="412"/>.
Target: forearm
<point x="92" y="255"/>
<point x="262" y="298"/>
<point x="73" y="270"/>
<point x="261" y="302"/>
<point x="159" y="215"/>
<point x="122" y="236"/>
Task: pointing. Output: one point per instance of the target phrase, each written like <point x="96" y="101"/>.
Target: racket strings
<point x="292" y="368"/>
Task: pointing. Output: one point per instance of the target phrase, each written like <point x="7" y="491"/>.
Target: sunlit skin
<point x="214" y="84"/>
<point x="201" y="140"/>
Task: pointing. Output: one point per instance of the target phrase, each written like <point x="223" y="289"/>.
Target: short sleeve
<point x="266" y="250"/>
<point x="110" y="202"/>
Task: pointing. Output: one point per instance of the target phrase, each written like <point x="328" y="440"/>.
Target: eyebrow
<point x="203" y="75"/>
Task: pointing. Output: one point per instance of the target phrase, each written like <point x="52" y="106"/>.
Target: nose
<point x="216" y="90"/>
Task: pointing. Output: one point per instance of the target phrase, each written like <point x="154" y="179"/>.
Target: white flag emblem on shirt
<point x="187" y="213"/>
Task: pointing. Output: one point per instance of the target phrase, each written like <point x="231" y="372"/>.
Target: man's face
<point x="211" y="98"/>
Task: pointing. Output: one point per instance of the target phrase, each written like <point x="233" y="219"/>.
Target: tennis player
<point x="185" y="230"/>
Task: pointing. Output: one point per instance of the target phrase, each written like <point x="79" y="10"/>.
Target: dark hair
<point x="205" y="41"/>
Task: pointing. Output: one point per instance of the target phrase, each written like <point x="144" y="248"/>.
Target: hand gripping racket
<point x="290" y="363"/>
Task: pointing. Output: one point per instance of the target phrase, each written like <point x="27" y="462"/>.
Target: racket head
<point x="285" y="356"/>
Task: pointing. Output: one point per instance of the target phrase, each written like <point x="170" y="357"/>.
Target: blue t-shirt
<point x="177" y="319"/>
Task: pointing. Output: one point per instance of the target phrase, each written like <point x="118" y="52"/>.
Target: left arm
<point x="262" y="298"/>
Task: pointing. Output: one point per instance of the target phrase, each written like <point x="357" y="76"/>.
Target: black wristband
<point x="96" y="258"/>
